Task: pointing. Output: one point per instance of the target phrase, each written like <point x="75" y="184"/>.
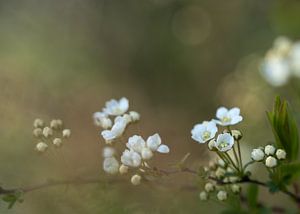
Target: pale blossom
<point x="102" y="119"/>
<point x="222" y="195"/>
<point x="209" y="187"/>
<point x="270" y="150"/>
<point x="136" y="143"/>
<point x="108" y="152"/>
<point x="203" y="196"/>
<point x="41" y="147"/>
<point x="47" y="132"/>
<point x="271" y="162"/>
<point x="123" y="169"/>
<point x="227" y="117"/>
<point x="134" y="116"/>
<point x="66" y="133"/>
<point x="204" y="131"/>
<point x="224" y="142"/>
<point x="257" y="154"/>
<point x="38" y="123"/>
<point x="111" y="165"/>
<point x="116" y="107"/>
<point x="131" y="158"/>
<point x="235" y="188"/>
<point x="154" y="143"/>
<point x="116" y="131"/>
<point x="136" y="179"/>
<point x="57" y="142"/>
<point x="280" y="154"/>
<point x="146" y="153"/>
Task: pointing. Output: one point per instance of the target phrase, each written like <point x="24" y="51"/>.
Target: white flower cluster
<point x="138" y="150"/>
<point x="115" y="128"/>
<point x="52" y="134"/>
<point x="281" y="62"/>
<point x="269" y="155"/>
<point x="206" y="131"/>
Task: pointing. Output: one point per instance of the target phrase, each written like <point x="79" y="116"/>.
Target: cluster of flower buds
<point x="134" y="158"/>
<point x="269" y="155"/>
<point x="282" y="62"/>
<point x="115" y="110"/>
<point x="53" y="134"/>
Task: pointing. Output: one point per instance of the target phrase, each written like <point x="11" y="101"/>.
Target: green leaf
<point x="284" y="128"/>
<point x="12" y="198"/>
<point x="290" y="172"/>
<point x="252" y="196"/>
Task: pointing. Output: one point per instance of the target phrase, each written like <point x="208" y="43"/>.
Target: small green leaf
<point x="12" y="198"/>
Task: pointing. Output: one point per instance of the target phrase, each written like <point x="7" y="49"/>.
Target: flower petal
<point x="163" y="149"/>
<point x="221" y="112"/>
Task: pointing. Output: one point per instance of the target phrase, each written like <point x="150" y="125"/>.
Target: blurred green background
<point x="176" y="61"/>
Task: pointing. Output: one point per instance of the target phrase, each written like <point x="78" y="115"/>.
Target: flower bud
<point x="211" y="145"/>
<point x="136" y="179"/>
<point x="257" y="155"/>
<point x="209" y="187"/>
<point x="147" y="153"/>
<point x="111" y="165"/>
<point x="123" y="169"/>
<point x="237" y="134"/>
<point x="108" y="152"/>
<point x="57" y="142"/>
<point x="38" y="123"/>
<point x="134" y="116"/>
<point x="203" y="196"/>
<point x="235" y="188"/>
<point x="47" y="132"/>
<point x="270" y="150"/>
<point x="127" y="118"/>
<point x="222" y="195"/>
<point x="271" y="162"/>
<point x="38" y="132"/>
<point x="280" y="154"/>
<point x="66" y="133"/>
<point x="56" y="124"/>
<point x="41" y="147"/>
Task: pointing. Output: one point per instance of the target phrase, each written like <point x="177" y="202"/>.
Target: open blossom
<point x="111" y="165"/>
<point x="116" y="131"/>
<point x="101" y="119"/>
<point x="257" y="154"/>
<point x="228" y="117"/>
<point x="224" y="142"/>
<point x="131" y="158"/>
<point x="116" y="107"/>
<point x="204" y="131"/>
<point x="136" y="143"/>
<point x="154" y="143"/>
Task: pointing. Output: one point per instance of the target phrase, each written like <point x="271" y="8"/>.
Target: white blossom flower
<point x="108" y="152"/>
<point x="203" y="196"/>
<point x="235" y="188"/>
<point x="282" y="45"/>
<point x="37" y="132"/>
<point x="41" y="147"/>
<point x="146" y="153"/>
<point x="56" y="124"/>
<point x="131" y="158"/>
<point x="136" y="179"/>
<point x="222" y="195"/>
<point x="116" y="131"/>
<point x="271" y="162"/>
<point x="57" y="142"/>
<point x="66" y="133"/>
<point x="134" y="116"/>
<point x="224" y="142"/>
<point x="228" y="117"/>
<point x="123" y="169"/>
<point x="111" y="165"/>
<point x="209" y="187"/>
<point x="136" y="143"/>
<point x="220" y="172"/>
<point x="115" y="107"/>
<point x="38" y="123"/>
<point x="47" y="132"/>
<point x="102" y="119"/>
<point x="204" y="131"/>
<point x="257" y="154"/>
<point x="270" y="150"/>
<point x="154" y="143"/>
<point x="281" y="154"/>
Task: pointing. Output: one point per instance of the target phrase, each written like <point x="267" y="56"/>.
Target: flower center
<point x="206" y="135"/>
<point x="223" y="145"/>
<point x="226" y="119"/>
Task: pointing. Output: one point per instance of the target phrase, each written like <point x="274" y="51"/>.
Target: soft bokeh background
<point x="176" y="60"/>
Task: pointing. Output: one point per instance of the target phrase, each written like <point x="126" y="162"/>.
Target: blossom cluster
<point x="53" y="134"/>
<point x="281" y="62"/>
<point x="269" y="155"/>
<point x="137" y="152"/>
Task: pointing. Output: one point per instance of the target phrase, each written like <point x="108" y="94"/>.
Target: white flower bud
<point x="41" y="147"/>
<point x="123" y="169"/>
<point x="235" y="188"/>
<point x="203" y="196"/>
<point x="56" y="124"/>
<point x="136" y="179"/>
<point x="108" y="152"/>
<point x="237" y="134"/>
<point x="127" y="118"/>
<point x="134" y="116"/>
<point x="211" y="145"/>
<point x="222" y="195"/>
<point x="66" y="133"/>
<point x="257" y="155"/>
<point x="38" y="123"/>
<point x="47" y="132"/>
<point x="111" y="165"/>
<point x="147" y="153"/>
<point x="270" y="150"/>
<point x="209" y="187"/>
<point x="38" y="132"/>
<point x="271" y="162"/>
<point x="220" y="172"/>
<point x="280" y="154"/>
<point x="57" y="142"/>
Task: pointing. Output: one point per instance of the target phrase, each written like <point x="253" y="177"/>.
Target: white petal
<point x="236" y="120"/>
<point x="124" y="104"/>
<point x="163" y="149"/>
<point x="221" y="112"/>
<point x="234" y="112"/>
<point x="153" y="142"/>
